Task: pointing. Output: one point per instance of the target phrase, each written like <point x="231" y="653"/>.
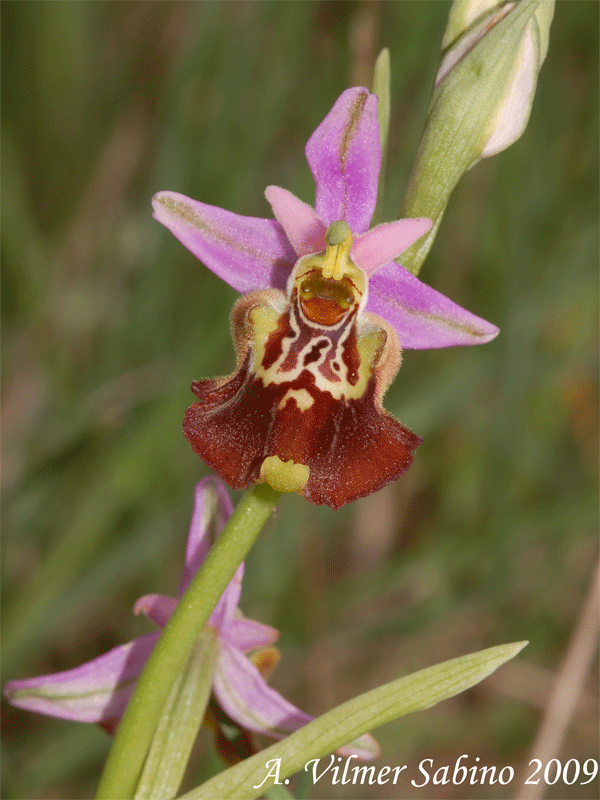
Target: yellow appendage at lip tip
<point x="338" y="238"/>
<point x="284" y="476"/>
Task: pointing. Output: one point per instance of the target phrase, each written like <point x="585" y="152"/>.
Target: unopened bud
<point x="481" y="101"/>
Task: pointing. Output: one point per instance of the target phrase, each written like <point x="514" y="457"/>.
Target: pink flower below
<point x="99" y="690"/>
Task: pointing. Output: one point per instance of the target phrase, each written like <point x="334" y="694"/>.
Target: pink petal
<point x="97" y="691"/>
<point x="246" y="252"/>
<point x="156" y="607"/>
<point x="422" y="317"/>
<point x="387" y="241"/>
<point x="247" y="698"/>
<point x="302" y="227"/>
<point x="225" y="610"/>
<point x="344" y="155"/>
<point x="247" y="634"/>
<point x="212" y="509"/>
<point x="364" y="747"/>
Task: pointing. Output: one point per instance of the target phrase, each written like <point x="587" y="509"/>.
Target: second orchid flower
<point x="99" y="690"/>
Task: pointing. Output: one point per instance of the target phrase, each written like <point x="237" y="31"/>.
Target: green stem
<point x="175" y="644"/>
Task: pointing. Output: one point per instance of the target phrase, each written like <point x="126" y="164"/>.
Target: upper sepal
<point x="344" y="155"/>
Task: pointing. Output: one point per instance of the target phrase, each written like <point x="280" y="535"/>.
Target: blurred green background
<point x="489" y="538"/>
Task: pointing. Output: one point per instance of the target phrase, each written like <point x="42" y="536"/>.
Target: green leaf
<point x="278" y="793"/>
<point x="415" y="692"/>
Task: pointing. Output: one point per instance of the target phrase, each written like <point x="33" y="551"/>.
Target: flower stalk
<point x="179" y="636"/>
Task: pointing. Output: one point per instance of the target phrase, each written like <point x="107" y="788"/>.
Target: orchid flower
<point x="99" y="690"/>
<point x="319" y="330"/>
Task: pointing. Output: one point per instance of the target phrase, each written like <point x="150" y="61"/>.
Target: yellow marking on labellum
<point x="302" y="398"/>
<point x="369" y="347"/>
<point x="284" y="476"/>
<point x="370" y="342"/>
<point x="264" y="320"/>
<point x="320" y="332"/>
